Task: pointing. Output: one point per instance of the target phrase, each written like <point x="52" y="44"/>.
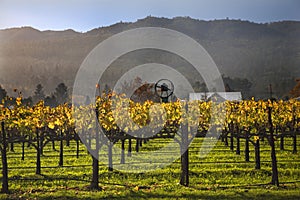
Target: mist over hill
<point x="262" y="53"/>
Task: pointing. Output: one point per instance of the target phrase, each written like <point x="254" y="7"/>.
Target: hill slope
<point x="262" y="53"/>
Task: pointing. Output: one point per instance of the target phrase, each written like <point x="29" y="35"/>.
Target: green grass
<point x="220" y="175"/>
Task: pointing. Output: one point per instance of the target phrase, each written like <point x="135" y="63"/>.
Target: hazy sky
<point x="83" y="15"/>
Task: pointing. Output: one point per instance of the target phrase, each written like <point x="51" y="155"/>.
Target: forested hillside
<point x="262" y="53"/>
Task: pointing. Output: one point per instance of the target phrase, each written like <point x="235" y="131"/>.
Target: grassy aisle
<point x="220" y="175"/>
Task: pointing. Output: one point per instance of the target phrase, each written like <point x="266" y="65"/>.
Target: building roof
<point x="229" y="96"/>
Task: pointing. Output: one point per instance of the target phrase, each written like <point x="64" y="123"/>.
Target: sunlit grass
<point x="220" y="175"/>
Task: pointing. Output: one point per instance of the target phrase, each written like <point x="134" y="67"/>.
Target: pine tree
<point x="38" y="94"/>
<point x="61" y="93"/>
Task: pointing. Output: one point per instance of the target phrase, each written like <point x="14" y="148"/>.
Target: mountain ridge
<point x="240" y="49"/>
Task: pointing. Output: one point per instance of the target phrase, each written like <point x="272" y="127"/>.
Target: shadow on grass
<point x="179" y="192"/>
<point x="146" y="195"/>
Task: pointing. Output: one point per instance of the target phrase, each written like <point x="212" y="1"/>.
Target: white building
<point x="229" y="96"/>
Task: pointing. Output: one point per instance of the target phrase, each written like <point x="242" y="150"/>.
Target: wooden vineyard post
<point x="231" y="142"/>
<point x="67" y="139"/>
<point x="184" y="179"/>
<point x="294" y="133"/>
<point x="231" y="136"/>
<point x="238" y="141"/>
<point x="137" y="144"/>
<point x="238" y="147"/>
<point x="110" y="161"/>
<point x="141" y="142"/>
<point x="61" y="150"/>
<point x="4" y="188"/>
<point x="247" y="151"/>
<point x="275" y="180"/>
<point x="38" y="153"/>
<point x="129" y="148"/>
<point x="23" y="150"/>
<point x="123" y="152"/>
<point x="257" y="154"/>
<point x="53" y="145"/>
<point x="95" y="177"/>
<point x="77" y="147"/>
